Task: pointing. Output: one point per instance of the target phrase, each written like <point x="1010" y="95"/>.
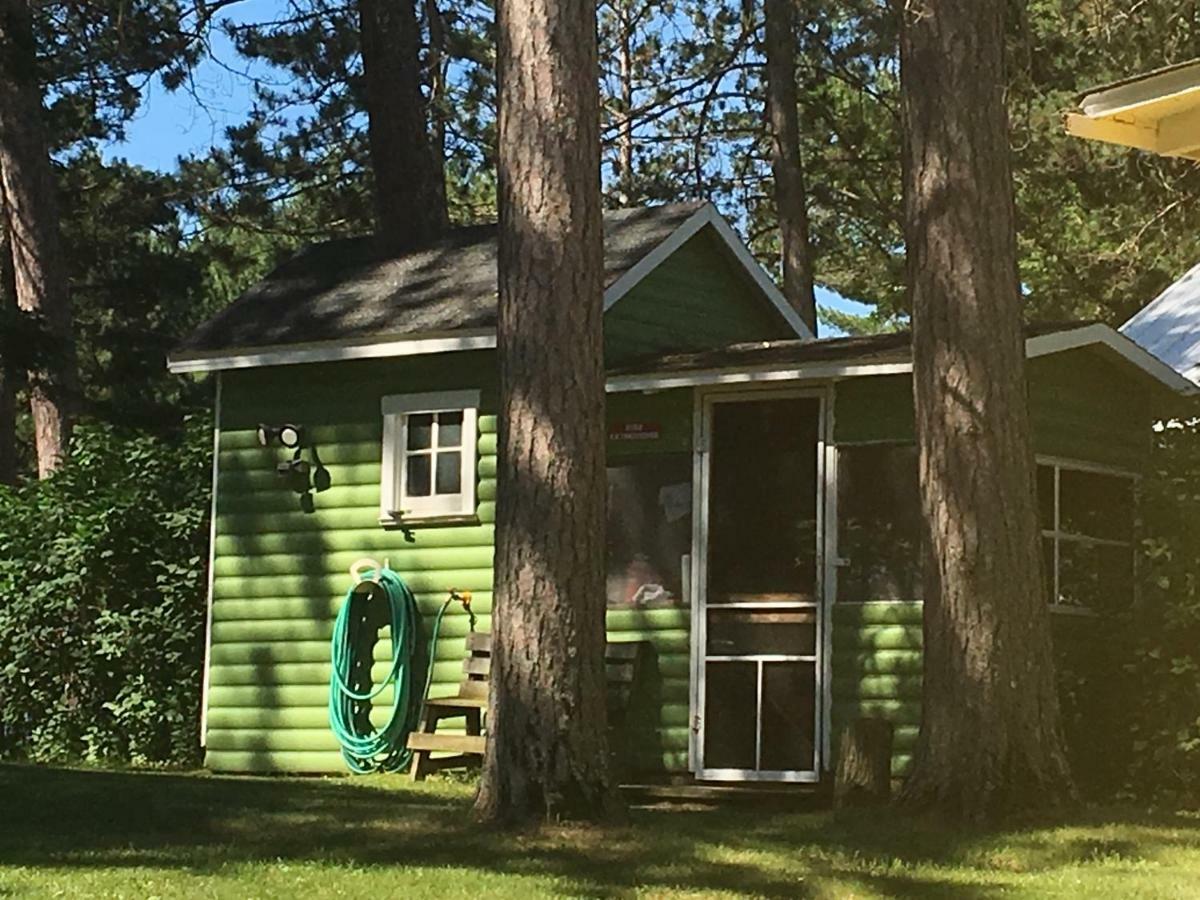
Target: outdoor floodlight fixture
<point x="289" y="436"/>
<point x="297" y="467"/>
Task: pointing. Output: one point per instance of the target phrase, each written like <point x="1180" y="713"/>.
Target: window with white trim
<point x="429" y="455"/>
<point x="1088" y="527"/>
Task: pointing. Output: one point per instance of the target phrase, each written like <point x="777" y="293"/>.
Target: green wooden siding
<point x="1081" y="406"/>
<point x="696" y="299"/>
<point x="280" y="572"/>
<point x="670" y="412"/>
<point x="281" y="561"/>
<point x="877" y="670"/>
<point x="873" y="409"/>
<point x="1084" y="407"/>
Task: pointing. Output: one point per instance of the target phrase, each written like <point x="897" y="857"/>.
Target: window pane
<point x="762" y="525"/>
<point x="1097" y="577"/>
<point x="450" y="429"/>
<point x="1096" y="505"/>
<point x="1045" y="496"/>
<point x="789" y="694"/>
<point x="730" y="714"/>
<point x="879" y="516"/>
<point x="649" y="529"/>
<point x="449" y="473"/>
<point x="735" y="632"/>
<point x="418" y="476"/>
<point x="1048" y="567"/>
<point x="420" y="431"/>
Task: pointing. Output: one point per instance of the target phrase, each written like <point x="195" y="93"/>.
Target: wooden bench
<point x="471" y="702"/>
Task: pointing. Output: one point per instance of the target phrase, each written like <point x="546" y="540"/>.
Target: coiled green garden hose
<point x="364" y="747"/>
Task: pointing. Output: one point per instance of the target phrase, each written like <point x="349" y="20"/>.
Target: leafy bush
<point x="102" y="572"/>
<point x="1163" y="669"/>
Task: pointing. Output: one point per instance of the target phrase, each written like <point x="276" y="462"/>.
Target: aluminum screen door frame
<point x="705" y="402"/>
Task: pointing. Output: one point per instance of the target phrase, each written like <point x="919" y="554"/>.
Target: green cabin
<point x="763" y="515"/>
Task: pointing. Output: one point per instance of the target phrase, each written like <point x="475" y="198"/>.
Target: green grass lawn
<point x="123" y="834"/>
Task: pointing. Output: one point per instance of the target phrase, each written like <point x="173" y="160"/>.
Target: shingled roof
<point x="344" y="291"/>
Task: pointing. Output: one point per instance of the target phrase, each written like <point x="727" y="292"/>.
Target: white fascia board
<point x="294" y="354"/>
<point x="703" y="378"/>
<point x="1103" y="335"/>
<point x="708" y="215"/>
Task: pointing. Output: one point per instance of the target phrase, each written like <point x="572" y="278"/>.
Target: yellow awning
<point x="1158" y="112"/>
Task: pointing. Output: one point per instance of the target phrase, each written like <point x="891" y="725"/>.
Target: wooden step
<point x="614" y="673"/>
<point x="447" y="743"/>
<point x="458" y="702"/>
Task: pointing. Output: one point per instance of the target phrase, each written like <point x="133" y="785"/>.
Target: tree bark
<point x="438" y="113"/>
<point x="864" y="764"/>
<point x="409" y="186"/>
<point x="31" y="218"/>
<point x="991" y="738"/>
<point x="787" y="167"/>
<point x="547" y="749"/>
<point x="8" y="370"/>
<point x="625" y="75"/>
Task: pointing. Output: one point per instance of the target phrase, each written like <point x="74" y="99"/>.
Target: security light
<point x="298" y="467"/>
<point x="289" y="436"/>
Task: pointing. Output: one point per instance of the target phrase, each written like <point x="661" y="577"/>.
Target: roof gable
<point x="697" y="298"/>
<point x="340" y="299"/>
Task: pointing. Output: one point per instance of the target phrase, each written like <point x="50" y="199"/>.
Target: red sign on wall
<point x="634" y="431"/>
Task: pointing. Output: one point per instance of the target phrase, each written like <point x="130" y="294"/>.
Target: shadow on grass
<point x="103" y="819"/>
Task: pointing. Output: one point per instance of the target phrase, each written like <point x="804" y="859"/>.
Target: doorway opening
<point x="757" y="646"/>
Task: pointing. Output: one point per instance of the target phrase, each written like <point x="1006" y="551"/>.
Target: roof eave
<point x="185" y="362"/>
<point x="332" y="351"/>
<point x="1095" y="335"/>
<point x="1158" y="112"/>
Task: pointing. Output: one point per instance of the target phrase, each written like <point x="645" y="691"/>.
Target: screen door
<point x="759" y="635"/>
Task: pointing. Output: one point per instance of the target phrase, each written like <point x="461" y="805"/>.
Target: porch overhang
<point x="1158" y="112"/>
<point x="841" y="358"/>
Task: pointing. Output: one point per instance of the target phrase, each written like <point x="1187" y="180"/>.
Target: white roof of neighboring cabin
<point x="1158" y="112"/>
<point x="1169" y="327"/>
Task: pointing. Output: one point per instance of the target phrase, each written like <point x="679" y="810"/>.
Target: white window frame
<point x="1058" y="537"/>
<point x="395" y="506"/>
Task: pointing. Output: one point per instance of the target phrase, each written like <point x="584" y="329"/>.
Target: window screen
<point x="879" y="521"/>
<point x="649" y="529"/>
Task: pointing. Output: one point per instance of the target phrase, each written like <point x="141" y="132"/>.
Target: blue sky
<point x="174" y="124"/>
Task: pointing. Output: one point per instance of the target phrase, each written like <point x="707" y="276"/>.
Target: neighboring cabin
<point x="763" y="516"/>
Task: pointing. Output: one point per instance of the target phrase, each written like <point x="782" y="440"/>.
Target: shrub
<point x="1163" y="666"/>
<point x="102" y="572"/>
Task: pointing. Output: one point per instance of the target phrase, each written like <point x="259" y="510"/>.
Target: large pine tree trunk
<point x="624" y="25"/>
<point x="991" y="739"/>
<point x="547" y="753"/>
<point x="31" y="214"/>
<point x="8" y="371"/>
<point x="787" y="168"/>
<point x="410" y="187"/>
